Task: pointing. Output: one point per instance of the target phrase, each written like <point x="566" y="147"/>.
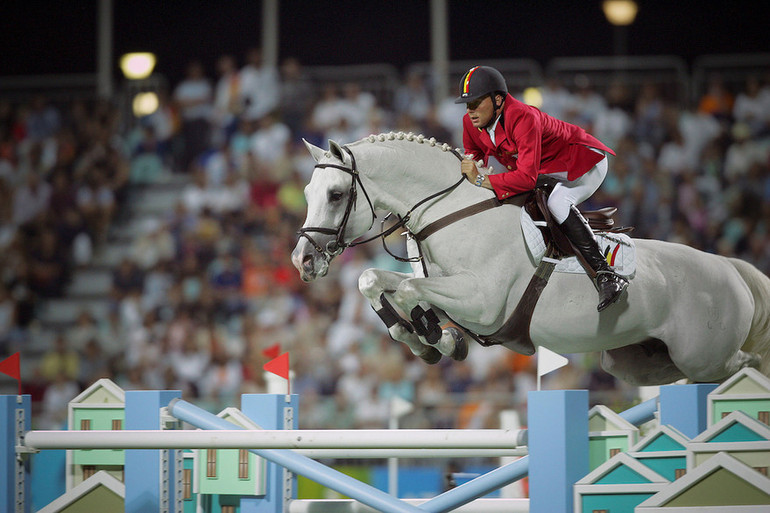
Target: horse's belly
<point x="678" y="293"/>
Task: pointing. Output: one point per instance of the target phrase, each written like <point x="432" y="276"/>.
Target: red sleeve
<point x="526" y="132"/>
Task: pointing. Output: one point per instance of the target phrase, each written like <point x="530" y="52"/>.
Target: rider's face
<point x="481" y="112"/>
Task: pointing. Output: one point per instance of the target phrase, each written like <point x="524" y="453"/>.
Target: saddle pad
<point x="618" y="248"/>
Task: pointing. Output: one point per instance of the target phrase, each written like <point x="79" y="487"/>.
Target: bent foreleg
<point x="374" y="284"/>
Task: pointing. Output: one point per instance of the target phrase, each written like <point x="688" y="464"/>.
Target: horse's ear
<point x="314" y="150"/>
<point x="336" y="150"/>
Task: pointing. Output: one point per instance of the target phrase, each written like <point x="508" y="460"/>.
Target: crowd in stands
<point x="206" y="288"/>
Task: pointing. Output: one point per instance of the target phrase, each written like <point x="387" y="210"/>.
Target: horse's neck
<point x="401" y="174"/>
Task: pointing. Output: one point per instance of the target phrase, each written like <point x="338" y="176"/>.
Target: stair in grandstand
<point x="90" y="286"/>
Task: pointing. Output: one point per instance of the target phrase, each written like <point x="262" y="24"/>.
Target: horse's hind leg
<point x="644" y="364"/>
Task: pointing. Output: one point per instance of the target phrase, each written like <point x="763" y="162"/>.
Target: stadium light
<point x="145" y="104"/>
<point x="620" y="12"/>
<point x="533" y="96"/>
<point x="137" y="65"/>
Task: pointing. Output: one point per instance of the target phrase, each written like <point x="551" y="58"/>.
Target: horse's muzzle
<point x="309" y="262"/>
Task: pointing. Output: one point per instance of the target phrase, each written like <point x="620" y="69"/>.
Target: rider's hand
<point x="468" y="169"/>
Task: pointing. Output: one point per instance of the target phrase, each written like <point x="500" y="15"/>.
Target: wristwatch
<point x="479" y="180"/>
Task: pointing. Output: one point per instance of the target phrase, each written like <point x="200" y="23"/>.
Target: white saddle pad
<point x="618" y="248"/>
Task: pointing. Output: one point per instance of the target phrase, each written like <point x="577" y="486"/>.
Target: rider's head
<point x="483" y="90"/>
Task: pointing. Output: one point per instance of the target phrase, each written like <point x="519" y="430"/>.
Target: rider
<point x="528" y="143"/>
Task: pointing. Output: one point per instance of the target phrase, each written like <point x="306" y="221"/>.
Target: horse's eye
<point x="334" y="196"/>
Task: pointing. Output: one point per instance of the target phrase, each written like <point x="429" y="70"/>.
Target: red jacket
<point x="529" y="143"/>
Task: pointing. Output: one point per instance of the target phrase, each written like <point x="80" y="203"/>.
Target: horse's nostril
<point x="307" y="262"/>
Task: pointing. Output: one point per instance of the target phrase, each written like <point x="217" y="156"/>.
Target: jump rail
<point x="411" y="439"/>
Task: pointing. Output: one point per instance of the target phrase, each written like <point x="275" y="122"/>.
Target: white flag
<point x="548" y="361"/>
<point x="400" y="407"/>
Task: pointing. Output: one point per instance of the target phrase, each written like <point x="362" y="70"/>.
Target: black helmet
<point x="480" y="81"/>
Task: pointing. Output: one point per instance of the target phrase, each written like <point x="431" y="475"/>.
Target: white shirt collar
<point x="491" y="130"/>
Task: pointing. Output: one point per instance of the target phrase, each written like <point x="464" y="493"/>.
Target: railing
<point x="732" y="69"/>
<point x="669" y="73"/>
<point x="381" y="80"/>
<point x="54" y="87"/>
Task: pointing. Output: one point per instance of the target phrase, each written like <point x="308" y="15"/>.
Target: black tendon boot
<point x="609" y="284"/>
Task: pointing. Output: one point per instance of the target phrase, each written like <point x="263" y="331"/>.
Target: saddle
<point x="514" y="333"/>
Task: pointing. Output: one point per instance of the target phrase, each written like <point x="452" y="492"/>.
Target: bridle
<point x="338" y="245"/>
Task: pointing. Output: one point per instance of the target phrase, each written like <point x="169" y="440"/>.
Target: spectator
<point x="557" y="99"/>
<point x="227" y="100"/>
<point x="260" y="86"/>
<point x="270" y="141"/>
<point x="96" y="201"/>
<point x="752" y="108"/>
<point x="31" y="200"/>
<point x="153" y="246"/>
<point x="222" y="380"/>
<point x="717" y="101"/>
<point x="56" y="398"/>
<point x="84" y="330"/>
<point x="412" y="98"/>
<point x="587" y="104"/>
<point x="60" y="361"/>
<point x="193" y="97"/>
<point x="675" y="157"/>
<point x="47" y="268"/>
<point x="297" y="94"/>
<point x="329" y="111"/>
<point x="94" y="364"/>
<point x="189" y="365"/>
<point x="127" y="278"/>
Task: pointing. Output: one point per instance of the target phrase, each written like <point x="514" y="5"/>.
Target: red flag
<point x="272" y="352"/>
<point x="279" y="365"/>
<point x="11" y="367"/>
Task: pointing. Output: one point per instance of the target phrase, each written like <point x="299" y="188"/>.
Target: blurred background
<point x="148" y="206"/>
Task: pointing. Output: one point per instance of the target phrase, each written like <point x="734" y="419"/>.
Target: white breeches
<point x="567" y="193"/>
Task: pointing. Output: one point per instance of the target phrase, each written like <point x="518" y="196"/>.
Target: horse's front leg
<point x="378" y="286"/>
<point x="459" y="293"/>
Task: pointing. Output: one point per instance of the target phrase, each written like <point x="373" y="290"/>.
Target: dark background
<point x="60" y="37"/>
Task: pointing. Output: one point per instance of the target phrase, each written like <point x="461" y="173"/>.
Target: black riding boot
<point x="609" y="284"/>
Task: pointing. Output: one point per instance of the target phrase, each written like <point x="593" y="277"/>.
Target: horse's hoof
<point x="431" y="355"/>
<point x="460" y="351"/>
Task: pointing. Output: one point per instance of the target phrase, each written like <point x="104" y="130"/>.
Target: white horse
<point x="686" y="314"/>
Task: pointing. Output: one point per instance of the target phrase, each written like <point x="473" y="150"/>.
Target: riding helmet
<point x="480" y="81"/>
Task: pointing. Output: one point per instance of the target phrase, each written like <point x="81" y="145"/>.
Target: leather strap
<point x="514" y="334"/>
<point x="456" y="216"/>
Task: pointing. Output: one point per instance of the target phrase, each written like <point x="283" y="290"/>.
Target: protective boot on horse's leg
<point x="609" y="284"/>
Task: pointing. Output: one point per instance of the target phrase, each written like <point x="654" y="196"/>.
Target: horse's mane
<point x="410" y="136"/>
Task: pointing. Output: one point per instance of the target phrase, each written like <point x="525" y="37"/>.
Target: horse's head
<point x="338" y="211"/>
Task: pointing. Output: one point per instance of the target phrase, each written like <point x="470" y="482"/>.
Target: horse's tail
<point x="758" y="341"/>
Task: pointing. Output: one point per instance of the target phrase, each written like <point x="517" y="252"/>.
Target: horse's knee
<point x="367" y="284"/>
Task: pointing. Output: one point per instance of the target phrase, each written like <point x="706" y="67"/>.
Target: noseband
<point x="338" y="245"/>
